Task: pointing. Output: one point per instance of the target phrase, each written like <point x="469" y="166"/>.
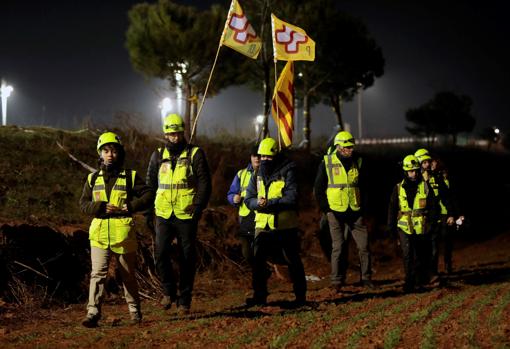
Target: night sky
<point x="66" y="61"/>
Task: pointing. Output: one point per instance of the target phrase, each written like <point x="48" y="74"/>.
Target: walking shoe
<point x="90" y="321"/>
<point x="136" y="317"/>
<point x="299" y="301"/>
<point x="183" y="309"/>
<point x="166" y="302"/>
<point x="254" y="301"/>
<point x="368" y="284"/>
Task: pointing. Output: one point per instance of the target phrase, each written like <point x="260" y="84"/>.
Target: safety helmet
<point x="344" y="139"/>
<point x="268" y="147"/>
<point x="410" y="163"/>
<point x="173" y="123"/>
<point x="107" y="138"/>
<point x="422" y="155"/>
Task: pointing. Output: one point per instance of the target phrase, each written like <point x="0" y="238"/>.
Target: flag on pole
<point x="283" y="103"/>
<point x="239" y="34"/>
<point x="291" y="43"/>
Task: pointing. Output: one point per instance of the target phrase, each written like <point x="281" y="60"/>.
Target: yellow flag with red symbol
<point x="283" y="103"/>
<point x="291" y="43"/>
<point x="239" y="34"/>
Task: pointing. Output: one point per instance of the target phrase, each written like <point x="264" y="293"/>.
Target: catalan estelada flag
<point x="239" y="34"/>
<point x="283" y="103"/>
<point x="291" y="43"/>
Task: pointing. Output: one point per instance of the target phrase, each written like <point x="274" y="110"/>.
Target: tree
<point x="447" y="114"/>
<point x="345" y="54"/>
<point x="170" y="41"/>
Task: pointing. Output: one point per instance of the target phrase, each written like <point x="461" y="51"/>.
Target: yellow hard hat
<point x="173" y="123"/>
<point x="268" y="147"/>
<point x="410" y="163"/>
<point x="107" y="138"/>
<point x="422" y="155"/>
<point x="344" y="139"/>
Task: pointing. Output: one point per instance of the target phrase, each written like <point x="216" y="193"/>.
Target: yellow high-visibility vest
<point x="283" y="219"/>
<point x="244" y="179"/>
<point x="342" y="191"/>
<point x="435" y="187"/>
<point x="115" y="233"/>
<point x="176" y="188"/>
<point x="413" y="220"/>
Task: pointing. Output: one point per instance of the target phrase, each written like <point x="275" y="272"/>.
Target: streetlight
<point x="359" y="85"/>
<point x="5" y="92"/>
<point x="258" y="122"/>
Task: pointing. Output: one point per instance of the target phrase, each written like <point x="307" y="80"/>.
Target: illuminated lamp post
<point x="5" y="92"/>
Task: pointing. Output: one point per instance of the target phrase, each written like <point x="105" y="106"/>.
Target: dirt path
<point x="472" y="309"/>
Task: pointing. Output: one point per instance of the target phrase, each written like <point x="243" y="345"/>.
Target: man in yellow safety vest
<point x="272" y="194"/>
<point x="111" y="195"/>
<point x="179" y="174"/>
<point x="412" y="213"/>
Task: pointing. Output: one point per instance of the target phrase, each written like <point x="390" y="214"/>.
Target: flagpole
<point x="275" y="98"/>
<point x="205" y="93"/>
<point x="211" y="73"/>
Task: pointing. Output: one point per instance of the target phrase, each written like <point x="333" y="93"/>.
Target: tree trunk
<point x="306" y="122"/>
<point x="187" y="111"/>
<point x="193" y="111"/>
<point x="336" y="103"/>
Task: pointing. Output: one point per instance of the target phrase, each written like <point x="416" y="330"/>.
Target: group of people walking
<point x="177" y="189"/>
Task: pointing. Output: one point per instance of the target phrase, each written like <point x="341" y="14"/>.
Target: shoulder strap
<point x="93" y="178"/>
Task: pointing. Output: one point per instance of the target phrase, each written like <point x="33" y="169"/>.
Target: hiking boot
<point x="90" y="321"/>
<point x="338" y="287"/>
<point x="136" y="317"/>
<point x="166" y="302"/>
<point x="255" y="301"/>
<point x="368" y="284"/>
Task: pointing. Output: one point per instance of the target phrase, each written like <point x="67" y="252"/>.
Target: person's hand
<point x="115" y="209"/>
<point x="237" y="198"/>
<point x="450" y="220"/>
<point x="262" y="202"/>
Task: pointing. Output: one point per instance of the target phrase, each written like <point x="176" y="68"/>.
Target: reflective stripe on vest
<point x="244" y="179"/>
<point x="413" y="220"/>
<point x="342" y="191"/>
<point x="283" y="219"/>
<point x="176" y="188"/>
<point x="114" y="233"/>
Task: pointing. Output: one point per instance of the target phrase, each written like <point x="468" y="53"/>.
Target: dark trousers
<point x="341" y="230"/>
<point x="186" y="232"/>
<point x="278" y="242"/>
<point x="443" y="233"/>
<point x="416" y="256"/>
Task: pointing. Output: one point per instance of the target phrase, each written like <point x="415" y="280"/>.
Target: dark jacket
<point x="201" y="174"/>
<point x="411" y="187"/>
<point x="140" y="197"/>
<point x="321" y="185"/>
<point x="247" y="223"/>
<point x="444" y="193"/>
<point x="282" y="168"/>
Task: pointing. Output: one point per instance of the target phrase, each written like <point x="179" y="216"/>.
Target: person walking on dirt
<point x="339" y="190"/>
<point x="272" y="193"/>
<point x="412" y="213"/>
<point x="235" y="197"/>
<point x="111" y="195"/>
<point x="438" y="181"/>
<point x="179" y="174"/>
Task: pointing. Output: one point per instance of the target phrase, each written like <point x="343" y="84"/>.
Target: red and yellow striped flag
<point x="283" y="103"/>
